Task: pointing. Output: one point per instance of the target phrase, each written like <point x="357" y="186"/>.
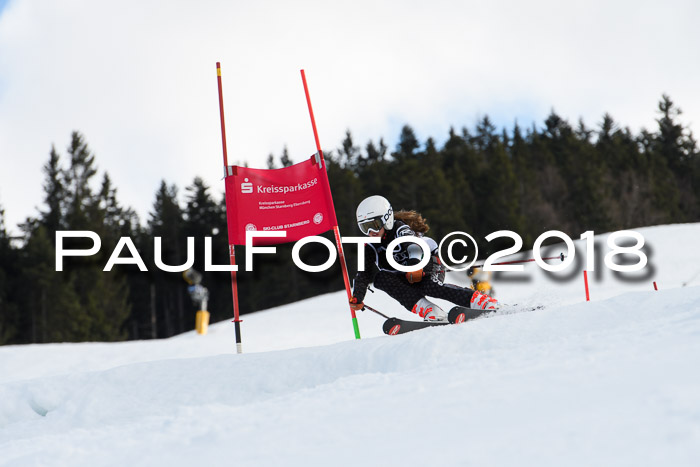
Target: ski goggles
<point x="371" y="225"/>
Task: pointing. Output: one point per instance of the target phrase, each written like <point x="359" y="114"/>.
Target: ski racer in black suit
<point x="375" y="218"/>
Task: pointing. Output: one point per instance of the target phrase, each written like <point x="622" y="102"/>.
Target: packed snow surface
<point x="613" y="381"/>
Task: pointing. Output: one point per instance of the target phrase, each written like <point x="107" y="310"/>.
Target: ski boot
<point x="481" y="301"/>
<point x="429" y="311"/>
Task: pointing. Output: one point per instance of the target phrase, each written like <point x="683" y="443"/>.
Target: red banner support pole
<point x="231" y="248"/>
<point x="338" y="241"/>
<point x="585" y="281"/>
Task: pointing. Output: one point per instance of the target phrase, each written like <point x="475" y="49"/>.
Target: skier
<point x="376" y="218"/>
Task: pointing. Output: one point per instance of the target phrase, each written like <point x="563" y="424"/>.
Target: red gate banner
<point x="294" y="199"/>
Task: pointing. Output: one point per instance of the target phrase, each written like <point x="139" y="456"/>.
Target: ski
<point x="460" y="314"/>
<point x="394" y="326"/>
<point x="457" y="315"/>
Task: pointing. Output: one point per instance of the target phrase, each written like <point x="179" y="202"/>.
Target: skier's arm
<point x="363" y="278"/>
<point x="415" y="255"/>
<point x="360" y="284"/>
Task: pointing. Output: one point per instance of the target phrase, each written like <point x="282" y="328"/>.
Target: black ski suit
<point x="393" y="282"/>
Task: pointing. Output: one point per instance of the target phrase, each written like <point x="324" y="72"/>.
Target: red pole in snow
<point x="655" y="287"/>
<point x="336" y="231"/>
<point x="585" y="281"/>
<point x="231" y="248"/>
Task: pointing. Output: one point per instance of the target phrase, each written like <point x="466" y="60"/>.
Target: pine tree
<point x="532" y="208"/>
<point x="167" y="222"/>
<point x="284" y="159"/>
<point x="677" y="148"/>
<point x="45" y="293"/>
<point x="54" y="312"/>
<point x="375" y="154"/>
<point x="81" y="302"/>
<point x="673" y="141"/>
<point x="626" y="175"/>
<point x="663" y="187"/>
<point x="553" y="155"/>
<point x="485" y="136"/>
<point x="9" y="312"/>
<point x="112" y="300"/>
<point x="500" y="206"/>
<point x="78" y="177"/>
<point x="205" y="217"/>
<point x="373" y="168"/>
<point x="271" y="162"/>
<point x="349" y="154"/>
<point x="407" y="145"/>
<point x="460" y="170"/>
<point x="103" y="295"/>
<point x="433" y="192"/>
<point x="55" y="193"/>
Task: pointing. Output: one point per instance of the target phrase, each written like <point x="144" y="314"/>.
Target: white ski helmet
<point x="373" y="213"/>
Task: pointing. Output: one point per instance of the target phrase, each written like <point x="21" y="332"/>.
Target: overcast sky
<point x="138" y="78"/>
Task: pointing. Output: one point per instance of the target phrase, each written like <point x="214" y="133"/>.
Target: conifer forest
<point x="554" y="175"/>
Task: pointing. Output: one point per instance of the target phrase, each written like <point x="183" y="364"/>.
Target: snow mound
<point x="614" y="381"/>
<point x="620" y="374"/>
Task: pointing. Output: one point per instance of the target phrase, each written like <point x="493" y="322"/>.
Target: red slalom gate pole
<point x="655" y="287"/>
<point x="329" y="196"/>
<point x="585" y="281"/>
<point x="231" y="248"/>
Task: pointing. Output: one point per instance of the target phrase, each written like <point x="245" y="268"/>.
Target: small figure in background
<point x="481" y="281"/>
<point x="200" y="296"/>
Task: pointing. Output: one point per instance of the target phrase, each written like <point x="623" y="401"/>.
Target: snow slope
<point x="611" y="382"/>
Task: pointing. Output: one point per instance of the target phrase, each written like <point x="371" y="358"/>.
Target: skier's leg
<point x="398" y="288"/>
<point x="459" y="295"/>
<point x="450" y="292"/>
<point x="408" y="295"/>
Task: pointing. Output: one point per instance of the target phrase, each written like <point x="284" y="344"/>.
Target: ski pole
<point x="560" y="257"/>
<point x="376" y="311"/>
